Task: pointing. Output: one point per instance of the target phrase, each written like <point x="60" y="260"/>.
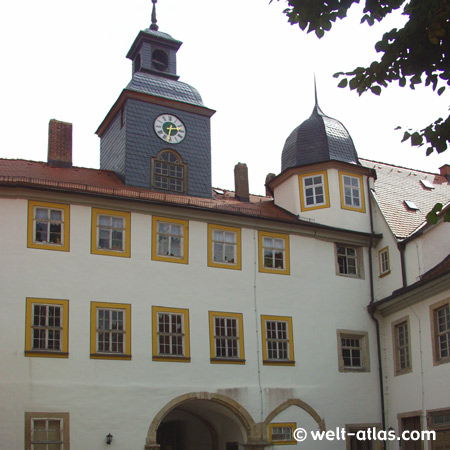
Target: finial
<point x="153" y="26"/>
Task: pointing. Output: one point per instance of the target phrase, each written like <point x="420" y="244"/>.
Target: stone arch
<point x="244" y="418"/>
<point x="301" y="404"/>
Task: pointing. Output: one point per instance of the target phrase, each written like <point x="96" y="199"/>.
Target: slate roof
<point x="104" y="182"/>
<point x="164" y="87"/>
<point x="395" y="185"/>
<point x="318" y="139"/>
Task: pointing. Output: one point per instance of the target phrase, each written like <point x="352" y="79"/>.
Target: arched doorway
<point x="200" y="421"/>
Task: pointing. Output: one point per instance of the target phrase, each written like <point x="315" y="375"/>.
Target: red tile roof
<point x="395" y="185"/>
<point x="104" y="182"/>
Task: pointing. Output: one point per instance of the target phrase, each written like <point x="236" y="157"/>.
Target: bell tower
<point x="157" y="134"/>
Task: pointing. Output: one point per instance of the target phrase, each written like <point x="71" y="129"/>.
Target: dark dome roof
<point x="318" y="139"/>
<point x="165" y="87"/>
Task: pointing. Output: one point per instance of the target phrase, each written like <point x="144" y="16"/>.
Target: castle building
<point x="144" y="309"/>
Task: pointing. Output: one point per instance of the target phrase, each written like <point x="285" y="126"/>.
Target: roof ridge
<point x="400" y="167"/>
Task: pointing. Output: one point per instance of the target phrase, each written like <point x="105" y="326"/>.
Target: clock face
<point x="169" y="128"/>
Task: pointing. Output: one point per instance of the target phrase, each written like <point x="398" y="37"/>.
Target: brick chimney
<point x="241" y="182"/>
<point x="59" y="144"/>
<point x="269" y="178"/>
<point x="445" y="171"/>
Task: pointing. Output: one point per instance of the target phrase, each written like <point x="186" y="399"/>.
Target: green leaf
<point x="376" y="90"/>
<point x="343" y="83"/>
<point x="416" y="139"/>
<point x="406" y="136"/>
<point x="441" y="90"/>
<point x="432" y="216"/>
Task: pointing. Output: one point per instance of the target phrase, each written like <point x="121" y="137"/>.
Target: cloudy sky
<point x="65" y="59"/>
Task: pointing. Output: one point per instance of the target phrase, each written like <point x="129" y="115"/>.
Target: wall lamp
<point x="109" y="438"/>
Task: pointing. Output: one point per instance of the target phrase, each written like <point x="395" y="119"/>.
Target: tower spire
<point x="315" y="90"/>
<point x="153" y="26"/>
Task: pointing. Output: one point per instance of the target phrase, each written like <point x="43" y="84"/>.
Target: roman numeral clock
<point x="169" y="128"/>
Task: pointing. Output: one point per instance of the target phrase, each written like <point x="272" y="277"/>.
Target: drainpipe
<point x="372" y="315"/>
<point x="401" y="248"/>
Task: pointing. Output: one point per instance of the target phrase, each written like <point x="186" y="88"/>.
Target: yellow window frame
<point x="186" y="357"/>
<point x="277" y="362"/>
<point x="285" y="237"/>
<point x="220" y="359"/>
<point x="362" y="208"/>
<point x="126" y="355"/>
<point x="291" y="425"/>
<point x="126" y="252"/>
<point x="65" y="245"/>
<point x="29" y="351"/>
<point x="180" y="260"/>
<point x="211" y="263"/>
<point x="301" y="178"/>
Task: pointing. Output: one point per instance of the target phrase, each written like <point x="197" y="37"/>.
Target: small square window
<point x="402" y="346"/>
<point x="170" y="240"/>
<point x="170" y="334"/>
<point x="282" y="433"/>
<point x="352" y="192"/>
<point x="224" y="247"/>
<point x="47" y="325"/>
<point x="273" y="253"/>
<point x="226" y="337"/>
<point x="110" y="330"/>
<point x="48" y="226"/>
<point x="314" y="191"/>
<point x="383" y="259"/>
<point x="440" y="316"/>
<point x="111" y="233"/>
<point x="47" y="431"/>
<point x="278" y="342"/>
<point x="353" y="351"/>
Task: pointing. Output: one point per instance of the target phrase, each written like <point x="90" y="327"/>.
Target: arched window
<point x="169" y="171"/>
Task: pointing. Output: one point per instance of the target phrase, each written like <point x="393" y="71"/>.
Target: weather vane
<point x="153" y="26"/>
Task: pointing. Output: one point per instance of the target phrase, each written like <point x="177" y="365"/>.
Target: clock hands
<point x="169" y="131"/>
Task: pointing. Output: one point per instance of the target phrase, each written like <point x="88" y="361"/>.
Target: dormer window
<point x="169" y="172"/>
<point x="160" y="60"/>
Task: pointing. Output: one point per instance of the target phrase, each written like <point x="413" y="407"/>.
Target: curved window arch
<point x="169" y="172"/>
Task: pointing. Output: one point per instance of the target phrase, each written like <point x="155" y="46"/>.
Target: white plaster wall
<point x="426" y="387"/>
<point x="287" y="195"/>
<point x="122" y="397"/>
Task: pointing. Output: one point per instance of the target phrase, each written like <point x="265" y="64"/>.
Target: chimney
<point x="269" y="178"/>
<point x="59" y="144"/>
<point x="241" y="182"/>
<point x="445" y="171"/>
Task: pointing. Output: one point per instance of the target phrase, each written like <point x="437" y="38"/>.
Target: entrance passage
<point x="200" y="425"/>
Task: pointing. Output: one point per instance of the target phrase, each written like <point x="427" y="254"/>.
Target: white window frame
<point x="48" y="222"/>
<point x="224" y="244"/>
<point x="111" y="332"/>
<point x="47" y="327"/>
<point x="277" y="347"/>
<point x="344" y="260"/>
<point x="273" y="249"/>
<point x="314" y="187"/>
<point x="111" y="229"/>
<point x="383" y="256"/>
<point x="170" y="236"/>
<point x="351" y="192"/>
<point x="230" y="340"/>
<point x="442" y="331"/>
<point x="363" y="348"/>
<point x="173" y="336"/>
<point x="402" y="346"/>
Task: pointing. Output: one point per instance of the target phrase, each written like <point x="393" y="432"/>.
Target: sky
<point x="65" y="60"/>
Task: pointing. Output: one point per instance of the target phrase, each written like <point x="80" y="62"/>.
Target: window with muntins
<point x="47" y="431"/>
<point x="110" y="330"/>
<point x="170" y="334"/>
<point x="347" y="259"/>
<point x="402" y="351"/>
<point x="383" y="257"/>
<point x="169" y="172"/>
<point x="314" y="191"/>
<point x="352" y="193"/>
<point x="443" y="331"/>
<point x="224" y="247"/>
<point x="48" y="226"/>
<point x="353" y="351"/>
<point x="273" y="253"/>
<point x="170" y="240"/>
<point x="277" y="340"/>
<point x="47" y="328"/>
<point x="226" y="337"/>
<point x="111" y="232"/>
<point x="282" y="433"/>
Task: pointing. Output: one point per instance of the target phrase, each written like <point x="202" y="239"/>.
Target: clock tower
<point x="157" y="134"/>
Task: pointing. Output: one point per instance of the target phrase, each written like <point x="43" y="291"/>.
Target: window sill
<point x="172" y="358"/>
<point x="275" y="362"/>
<point x="227" y="361"/>
<point x="46" y="354"/>
<point x="121" y="356"/>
